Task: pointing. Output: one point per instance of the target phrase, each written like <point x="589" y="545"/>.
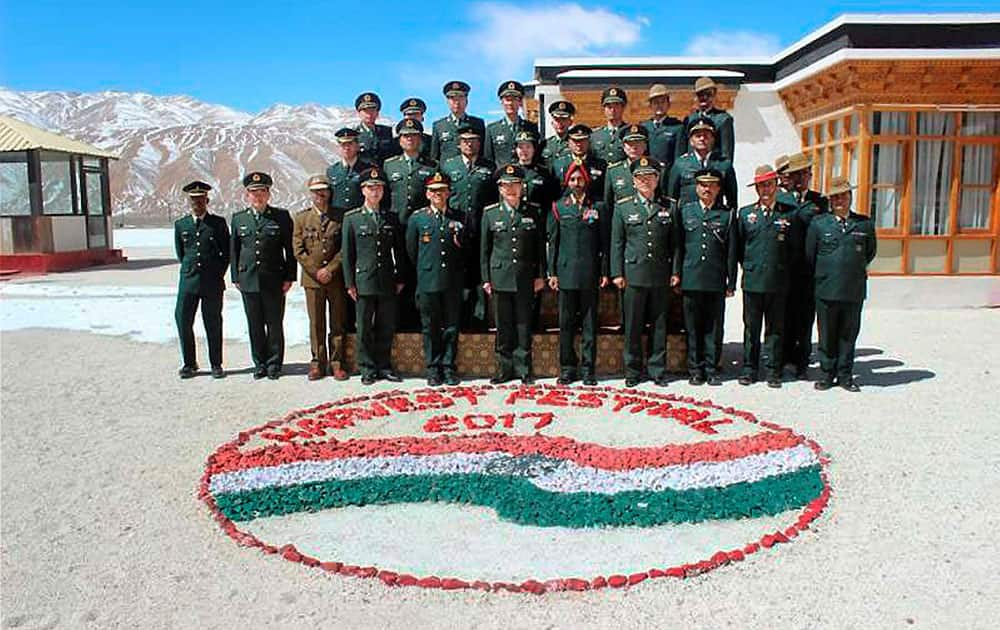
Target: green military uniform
<point x="316" y="241"/>
<point x="501" y="135"/>
<point x="410" y="107"/>
<point x="553" y="148"/>
<point x="800" y="312"/>
<point x="345" y="184"/>
<point x="445" y="131"/>
<point x="577" y="258"/>
<point x="202" y="247"/>
<point x="725" y="138"/>
<point x="664" y="134"/>
<point x="472" y="189"/>
<point x="606" y="143"/>
<point x="434" y="242"/>
<point x="262" y="261"/>
<point x="376" y="141"/>
<point x="642" y="232"/>
<point x="373" y="264"/>
<point x="839" y="250"/>
<point x="763" y="243"/>
<point x="512" y="255"/>
<point x="540" y="186"/>
<point x="681" y="184"/>
<point x="596" y="167"/>
<point x="701" y="261"/>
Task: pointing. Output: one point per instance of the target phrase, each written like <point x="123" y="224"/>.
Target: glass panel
<point x="57" y="192"/>
<point x="838" y="159"/>
<point x="96" y="236"/>
<point x="838" y="129"/>
<point x="889" y="258"/>
<point x="90" y="162"/>
<point x="821" y="132"/>
<point x="854" y="164"/>
<point x="935" y="123"/>
<point x="95" y="198"/>
<point x="887" y="123"/>
<point x="887" y="164"/>
<point x="977" y="164"/>
<point x="808" y="136"/>
<point x="974" y="203"/>
<point x="981" y="123"/>
<point x="820" y="170"/>
<point x="885" y="207"/>
<point x="928" y="256"/>
<point x="854" y="124"/>
<point x="931" y="186"/>
<point x="971" y="256"/>
<point x="14" y="193"/>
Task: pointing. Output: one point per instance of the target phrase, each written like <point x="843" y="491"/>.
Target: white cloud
<point x="509" y="36"/>
<point x="733" y="44"/>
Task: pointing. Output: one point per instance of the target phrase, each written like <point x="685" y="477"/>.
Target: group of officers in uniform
<point x="421" y="231"/>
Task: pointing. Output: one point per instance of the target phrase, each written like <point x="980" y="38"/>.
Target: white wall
<point x="6" y="235"/>
<point x="69" y="234"/>
<point x="764" y="130"/>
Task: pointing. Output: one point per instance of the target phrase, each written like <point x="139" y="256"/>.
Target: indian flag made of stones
<point x="525" y="488"/>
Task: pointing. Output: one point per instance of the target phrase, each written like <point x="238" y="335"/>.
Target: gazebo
<point x="55" y="201"/>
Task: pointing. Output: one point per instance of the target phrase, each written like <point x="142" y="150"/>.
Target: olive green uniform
<point x="262" y="260"/>
<point x="500" y="136"/>
<point x="800" y="312"/>
<point x="642" y="233"/>
<point x="840" y="250"/>
<point x="553" y="148"/>
<point x="577" y="257"/>
<point x="512" y="255"/>
<point x="377" y="143"/>
<point x="434" y="242"/>
<point x="316" y="241"/>
<point x="345" y="184"/>
<point x="681" y="184"/>
<point x="763" y="243"/>
<point x="725" y="137"/>
<point x="606" y="143"/>
<point x="664" y="135"/>
<point x="202" y="247"/>
<point x="372" y="252"/>
<point x="444" y="136"/>
<point x="702" y="262"/>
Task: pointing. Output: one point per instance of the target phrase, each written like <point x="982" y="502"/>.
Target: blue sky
<point x="250" y="55"/>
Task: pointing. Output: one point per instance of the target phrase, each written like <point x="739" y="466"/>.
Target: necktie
<point x="197" y="224"/>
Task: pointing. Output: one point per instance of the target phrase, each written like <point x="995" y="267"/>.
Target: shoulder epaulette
<point x="350" y="212"/>
<point x="613" y="164"/>
<point x="624" y="200"/>
<point x="393" y="158"/>
<point x="491" y="206"/>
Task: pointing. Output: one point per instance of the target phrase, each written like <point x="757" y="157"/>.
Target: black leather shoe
<point x="801" y="373"/>
<point x="696" y="380"/>
<point x="187" y="372"/>
<point x="564" y="380"/>
<point x="850" y="385"/>
<point x="631" y="381"/>
<point x="746" y="379"/>
<point x="368" y="379"/>
<point x="714" y="380"/>
<point x="527" y="379"/>
<point x="774" y="382"/>
<point x="391" y="376"/>
<point x="823" y="385"/>
<point x="434" y="380"/>
<point x="589" y="381"/>
<point x="260" y="373"/>
<point x="273" y="373"/>
<point x="663" y="381"/>
<point x="500" y="379"/>
<point x="452" y="379"/>
<point x="218" y="372"/>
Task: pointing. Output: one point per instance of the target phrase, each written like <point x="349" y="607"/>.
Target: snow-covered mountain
<point x="165" y="141"/>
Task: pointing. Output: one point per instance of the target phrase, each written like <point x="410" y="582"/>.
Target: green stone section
<point x="517" y="500"/>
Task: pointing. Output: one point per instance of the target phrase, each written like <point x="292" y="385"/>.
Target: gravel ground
<point x="102" y="448"/>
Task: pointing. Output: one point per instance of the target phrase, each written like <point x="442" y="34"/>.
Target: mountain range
<point x="163" y="142"/>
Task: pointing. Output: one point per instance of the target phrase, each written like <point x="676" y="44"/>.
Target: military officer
<point x="434" y="244"/>
<point x="472" y="189"/>
<point x="375" y="140"/>
<point x="540" y="186"/>
<point x="444" y="136"/>
<point x="606" y="140"/>
<point x="680" y="185"/>
<point x="554" y="146"/>
<point x="316" y="241"/>
<point x="263" y="269"/>
<point x="705" y="91"/>
<point x="800" y="312"/>
<point x="618" y="183"/>
<point x="784" y="181"/>
<point x="578" y="138"/>
<point x="414" y="108"/>
<point x="641" y="253"/>
<point x="345" y="175"/>
<point x="201" y="240"/>
<point x="701" y="268"/>
<point x="839" y="246"/>
<point x="501" y="135"/>
<point x="664" y="131"/>
<point x="512" y="255"/>
<point x="373" y="273"/>
<point x="577" y="267"/>
<point x="763" y="243"/>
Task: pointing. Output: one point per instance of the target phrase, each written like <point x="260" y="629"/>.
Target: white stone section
<point x="764" y="130"/>
<point x="69" y="234"/>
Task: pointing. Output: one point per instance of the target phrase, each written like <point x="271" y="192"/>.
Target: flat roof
<point x="20" y="136"/>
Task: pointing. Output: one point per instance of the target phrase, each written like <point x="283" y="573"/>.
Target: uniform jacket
<point x="702" y="241"/>
<point x="498" y="146"/>
<point x="372" y="252"/>
<point x="444" y="136"/>
<point x="316" y="243"/>
<point x="472" y="189"/>
<point x="606" y="143"/>
<point x="540" y="185"/>
<point x="377" y="143"/>
<point x="839" y="256"/>
<point x="618" y="184"/>
<point x="203" y="253"/>
<point x="597" y="168"/>
<point x="681" y="184"/>
<point x="345" y="184"/>
<point x="725" y="138"/>
<point x="552" y="148"/>
<point x="261" y="252"/>
<point x="576" y="252"/>
<point x="512" y="246"/>
<point x="406" y="184"/>
<point x="642" y="244"/>
<point x="434" y="244"/>
<point x="663" y="139"/>
<point x="765" y="247"/>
